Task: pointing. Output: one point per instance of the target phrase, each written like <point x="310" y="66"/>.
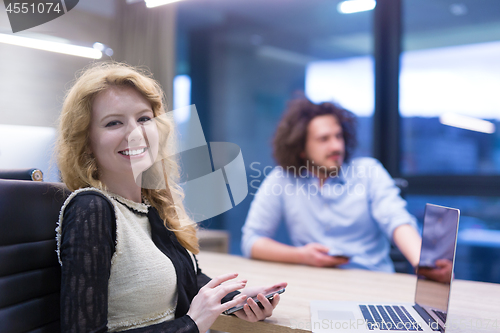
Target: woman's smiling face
<point x="121" y="118"/>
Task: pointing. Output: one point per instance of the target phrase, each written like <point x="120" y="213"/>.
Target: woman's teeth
<point x="132" y="152"/>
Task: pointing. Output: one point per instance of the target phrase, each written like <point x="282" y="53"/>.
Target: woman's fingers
<point x="255" y="308"/>
<point x="219" y="279"/>
<point x="276" y="300"/>
<point x="260" y="311"/>
<point x="265" y="305"/>
<point x="250" y="315"/>
<point x="222" y="290"/>
<point x="280" y="285"/>
<point x="234" y="302"/>
<point x="269" y="305"/>
<point x="252" y="311"/>
<point x="227" y="288"/>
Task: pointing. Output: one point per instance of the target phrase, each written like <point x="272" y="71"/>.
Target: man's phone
<point x="337" y="253"/>
<point x="427" y="266"/>
<point x="269" y="296"/>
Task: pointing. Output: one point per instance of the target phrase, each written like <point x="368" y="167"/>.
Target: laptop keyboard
<point x="440" y="314"/>
<point x="388" y="318"/>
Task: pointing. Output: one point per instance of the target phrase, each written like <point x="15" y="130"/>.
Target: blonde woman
<point x="126" y="252"/>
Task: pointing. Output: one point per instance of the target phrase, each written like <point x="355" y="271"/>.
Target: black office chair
<point x="30" y="274"/>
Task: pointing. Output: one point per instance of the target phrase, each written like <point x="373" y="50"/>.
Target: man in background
<point x="339" y="211"/>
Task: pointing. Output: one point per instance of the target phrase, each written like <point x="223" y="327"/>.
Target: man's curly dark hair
<point x="290" y="137"/>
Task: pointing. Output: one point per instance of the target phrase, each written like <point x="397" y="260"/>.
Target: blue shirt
<point x="354" y="213"/>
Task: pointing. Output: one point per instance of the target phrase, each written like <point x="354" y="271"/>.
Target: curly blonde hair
<point x="79" y="168"/>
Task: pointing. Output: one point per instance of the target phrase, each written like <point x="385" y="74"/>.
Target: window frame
<point x="388" y="34"/>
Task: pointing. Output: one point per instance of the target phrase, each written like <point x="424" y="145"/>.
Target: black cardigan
<point x="87" y="246"/>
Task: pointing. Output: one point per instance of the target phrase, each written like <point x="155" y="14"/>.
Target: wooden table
<point x="472" y="304"/>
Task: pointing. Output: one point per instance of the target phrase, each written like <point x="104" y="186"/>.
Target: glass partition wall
<point x="245" y="59"/>
<point x="450" y="114"/>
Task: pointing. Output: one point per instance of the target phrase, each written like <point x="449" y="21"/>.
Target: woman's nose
<point x="134" y="133"/>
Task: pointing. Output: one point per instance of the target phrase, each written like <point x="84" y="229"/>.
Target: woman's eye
<point x="144" y="119"/>
<point x="112" y="123"/>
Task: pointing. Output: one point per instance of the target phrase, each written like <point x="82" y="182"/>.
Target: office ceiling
<point x="288" y="23"/>
<point x="314" y="28"/>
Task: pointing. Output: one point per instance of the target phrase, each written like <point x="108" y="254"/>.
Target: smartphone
<point x="426" y="267"/>
<point x="337" y="253"/>
<point x="269" y="296"/>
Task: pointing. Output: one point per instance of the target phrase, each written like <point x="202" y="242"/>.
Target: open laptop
<point x="429" y="311"/>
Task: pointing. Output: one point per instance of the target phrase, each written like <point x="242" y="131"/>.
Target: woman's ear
<point x="88" y="145"/>
<point x="88" y="150"/>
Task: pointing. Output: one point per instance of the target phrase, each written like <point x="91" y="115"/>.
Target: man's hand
<point x="314" y="254"/>
<point x="408" y="241"/>
<point x="441" y="273"/>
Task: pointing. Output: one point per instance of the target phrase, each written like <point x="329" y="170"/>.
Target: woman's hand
<point x="252" y="311"/>
<point x="206" y="305"/>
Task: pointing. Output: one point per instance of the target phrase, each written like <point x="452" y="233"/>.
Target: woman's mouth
<point x="132" y="152"/>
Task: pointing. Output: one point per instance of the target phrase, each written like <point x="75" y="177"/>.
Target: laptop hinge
<point x="433" y="324"/>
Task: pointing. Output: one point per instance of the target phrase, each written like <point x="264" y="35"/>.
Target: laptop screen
<point x="439" y="237"/>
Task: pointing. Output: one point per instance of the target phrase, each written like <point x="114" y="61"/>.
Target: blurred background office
<point x="422" y="76"/>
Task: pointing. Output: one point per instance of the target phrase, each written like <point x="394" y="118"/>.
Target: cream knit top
<point x="142" y="288"/>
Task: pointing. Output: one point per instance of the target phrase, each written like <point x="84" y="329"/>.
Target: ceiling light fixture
<point x="156" y="3"/>
<point x="75" y="50"/>
<point x="355" y="6"/>
<point x="458" y="9"/>
<point x="468" y="123"/>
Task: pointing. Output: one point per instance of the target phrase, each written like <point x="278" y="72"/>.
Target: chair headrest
<point x="29" y="210"/>
<point x="22" y="174"/>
